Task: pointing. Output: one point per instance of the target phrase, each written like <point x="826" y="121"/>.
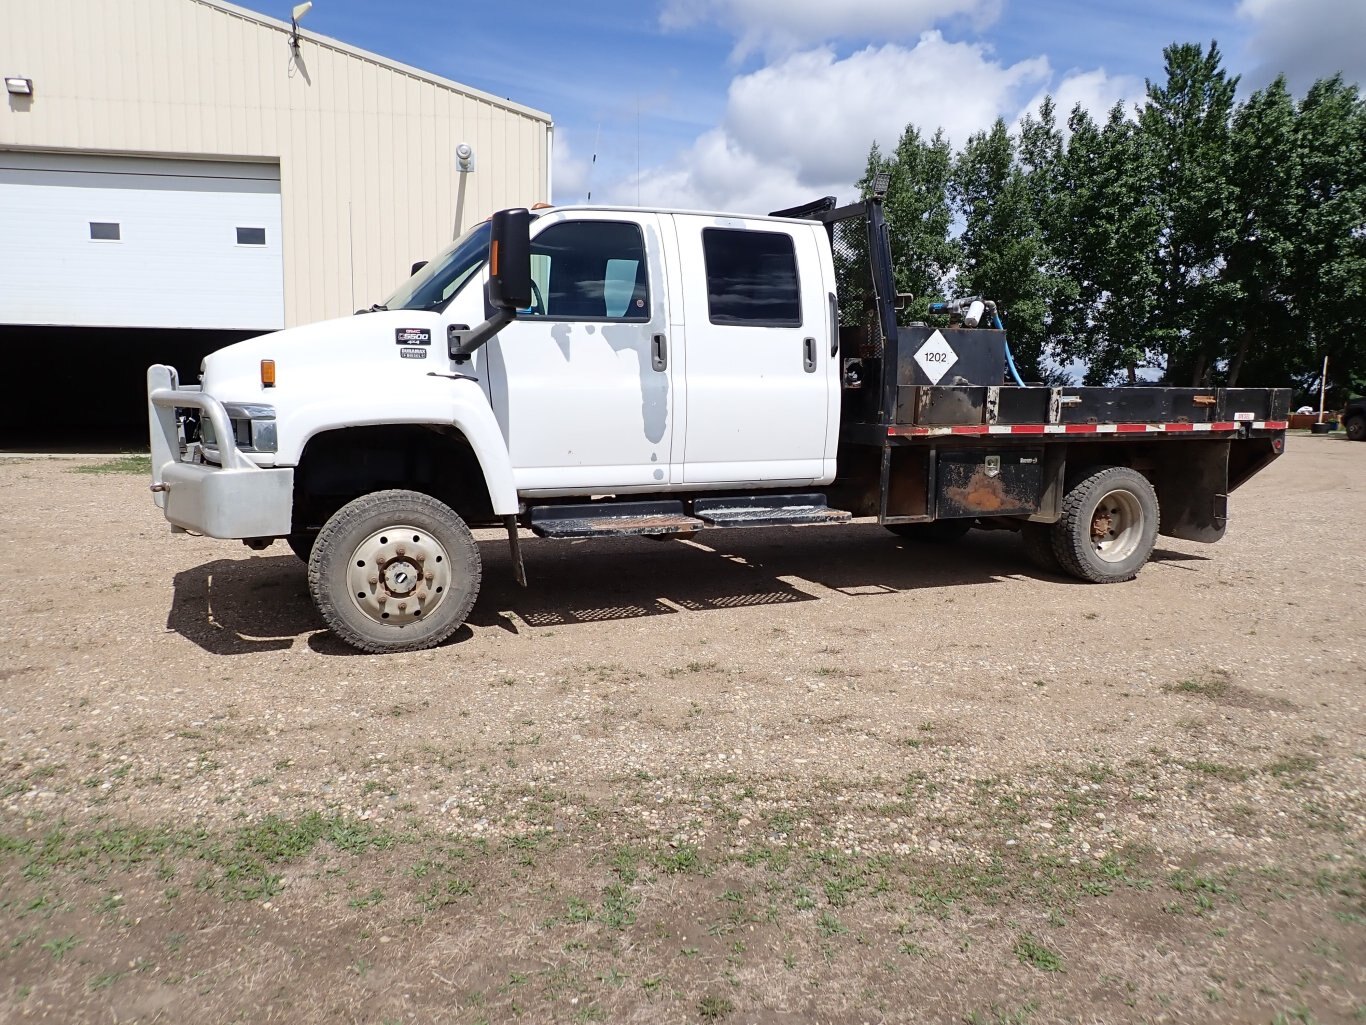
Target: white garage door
<point x="129" y="242"/>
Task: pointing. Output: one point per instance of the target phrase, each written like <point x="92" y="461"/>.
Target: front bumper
<point x="237" y="498"/>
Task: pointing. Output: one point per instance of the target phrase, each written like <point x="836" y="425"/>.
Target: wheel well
<point x="340" y="465"/>
<point x="1192" y="479"/>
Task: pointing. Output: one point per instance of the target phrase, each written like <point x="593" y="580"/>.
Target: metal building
<point x="177" y="173"/>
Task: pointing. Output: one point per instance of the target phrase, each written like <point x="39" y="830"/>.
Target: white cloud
<point x="1095" y="90"/>
<point x="572" y="174"/>
<point x="786" y="25"/>
<point x="802" y="127"/>
<point x="1305" y="40"/>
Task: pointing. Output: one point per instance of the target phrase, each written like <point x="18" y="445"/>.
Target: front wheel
<point x="1356" y="427"/>
<point x="394" y="571"/>
<point x="1108" y="526"/>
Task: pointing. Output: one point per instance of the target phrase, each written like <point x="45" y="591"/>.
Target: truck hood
<point x="362" y="347"/>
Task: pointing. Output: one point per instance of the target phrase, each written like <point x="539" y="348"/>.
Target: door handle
<point x="659" y="352"/>
<point x="809" y="355"/>
<point x="834" y="326"/>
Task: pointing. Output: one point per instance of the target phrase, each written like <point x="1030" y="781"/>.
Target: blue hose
<point x="1010" y="360"/>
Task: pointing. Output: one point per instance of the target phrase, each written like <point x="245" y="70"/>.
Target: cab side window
<point x="590" y="270"/>
<point x="751" y="278"/>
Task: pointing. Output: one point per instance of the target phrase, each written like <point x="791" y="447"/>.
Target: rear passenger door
<point x="759" y="372"/>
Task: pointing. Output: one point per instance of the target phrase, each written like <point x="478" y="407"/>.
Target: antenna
<point x="592" y="164"/>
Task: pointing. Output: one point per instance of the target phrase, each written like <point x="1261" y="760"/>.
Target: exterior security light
<point x="299" y="11"/>
<point x="18" y="86"/>
<point x="881" y="183"/>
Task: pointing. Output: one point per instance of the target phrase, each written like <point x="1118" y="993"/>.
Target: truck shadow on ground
<point x="261" y="603"/>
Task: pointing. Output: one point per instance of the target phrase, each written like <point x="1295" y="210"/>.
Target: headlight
<point x="253" y="427"/>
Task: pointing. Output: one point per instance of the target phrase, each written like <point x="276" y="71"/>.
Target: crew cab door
<point x="581" y="382"/>
<point x="762" y="385"/>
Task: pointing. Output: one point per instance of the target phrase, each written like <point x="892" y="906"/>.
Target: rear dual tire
<point x="1107" y="530"/>
<point x="934" y="532"/>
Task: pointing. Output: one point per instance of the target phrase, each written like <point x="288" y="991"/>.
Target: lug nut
<point x="403" y="606"/>
<point x="400" y="549"/>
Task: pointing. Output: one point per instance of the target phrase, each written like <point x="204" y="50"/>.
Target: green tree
<point x="1105" y="226"/>
<point x="1328" y="277"/>
<point x="1004" y="254"/>
<point x="1259" y="302"/>
<point x="918" y="214"/>
<point x="1187" y="122"/>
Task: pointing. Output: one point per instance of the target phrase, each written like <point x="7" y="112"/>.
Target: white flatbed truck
<point x="593" y="371"/>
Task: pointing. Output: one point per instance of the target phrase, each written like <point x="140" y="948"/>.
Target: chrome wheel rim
<point x="1116" y="526"/>
<point x="398" y="576"/>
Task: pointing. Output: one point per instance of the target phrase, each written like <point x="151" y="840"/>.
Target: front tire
<point x="1108" y="526"/>
<point x="394" y="571"/>
<point x="1356" y="427"/>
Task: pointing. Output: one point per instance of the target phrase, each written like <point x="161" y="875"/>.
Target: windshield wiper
<point x="380" y="307"/>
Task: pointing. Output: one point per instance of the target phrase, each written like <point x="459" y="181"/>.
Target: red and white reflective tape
<point x="1038" y="429"/>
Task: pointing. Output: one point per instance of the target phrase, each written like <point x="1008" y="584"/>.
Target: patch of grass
<point x="713" y="1008"/>
<point x="1292" y="765"/>
<point x="1228" y="773"/>
<point x="130" y="464"/>
<point x="1032" y="952"/>
<point x="58" y="947"/>
<point x="1214" y="686"/>
<point x="683" y="858"/>
<point x="828" y="925"/>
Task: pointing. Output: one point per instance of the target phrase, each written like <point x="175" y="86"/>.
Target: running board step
<point x="767" y="511"/>
<point x="617" y="519"/>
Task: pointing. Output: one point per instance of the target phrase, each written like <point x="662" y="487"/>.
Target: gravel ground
<point x="819" y="774"/>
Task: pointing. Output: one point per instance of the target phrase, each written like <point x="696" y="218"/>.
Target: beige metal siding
<point x="366" y="149"/>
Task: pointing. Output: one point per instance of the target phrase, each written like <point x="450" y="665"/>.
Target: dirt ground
<point x="814" y="775"/>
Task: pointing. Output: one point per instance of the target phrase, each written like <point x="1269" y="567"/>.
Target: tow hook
<point x="159" y="488"/>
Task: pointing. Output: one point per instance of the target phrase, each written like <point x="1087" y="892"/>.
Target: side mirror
<point x="510" y="260"/>
<point x="417" y="267"/>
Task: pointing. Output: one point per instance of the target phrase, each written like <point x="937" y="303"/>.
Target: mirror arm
<point x="462" y="345"/>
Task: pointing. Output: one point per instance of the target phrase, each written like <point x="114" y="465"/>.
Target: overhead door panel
<point x="133" y="242"/>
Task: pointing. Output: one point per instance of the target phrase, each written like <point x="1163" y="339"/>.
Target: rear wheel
<point x="936" y="531"/>
<point x="1038" y="546"/>
<point x="1356" y="427"/>
<point x="1108" y="526"/>
<point x="394" y="571"/>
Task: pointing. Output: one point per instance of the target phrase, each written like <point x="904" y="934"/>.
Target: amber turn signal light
<point x="267" y="373"/>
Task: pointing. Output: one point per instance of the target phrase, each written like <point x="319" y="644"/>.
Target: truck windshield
<point x="445" y="275"/>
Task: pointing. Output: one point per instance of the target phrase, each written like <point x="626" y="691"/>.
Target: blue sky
<point x="754" y="104"/>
